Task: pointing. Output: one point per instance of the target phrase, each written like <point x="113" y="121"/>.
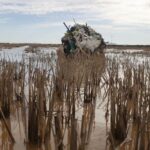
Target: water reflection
<point x="85" y="109"/>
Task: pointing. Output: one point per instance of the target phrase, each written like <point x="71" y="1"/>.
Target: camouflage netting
<point x="82" y="37"/>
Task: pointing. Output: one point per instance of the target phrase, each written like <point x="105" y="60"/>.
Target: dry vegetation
<point x="128" y="105"/>
<point x="124" y="47"/>
<point x="48" y="94"/>
<point x="33" y="45"/>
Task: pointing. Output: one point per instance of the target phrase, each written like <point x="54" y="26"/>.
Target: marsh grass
<point x="47" y="94"/>
<point x="127" y="88"/>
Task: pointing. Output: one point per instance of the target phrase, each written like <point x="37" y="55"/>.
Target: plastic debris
<point x="82" y="37"/>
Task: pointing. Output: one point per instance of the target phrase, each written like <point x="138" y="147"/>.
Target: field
<point x="97" y="102"/>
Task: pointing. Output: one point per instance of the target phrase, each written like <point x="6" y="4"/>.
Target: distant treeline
<point x="10" y="45"/>
<point x="145" y="47"/>
<point x="35" y="45"/>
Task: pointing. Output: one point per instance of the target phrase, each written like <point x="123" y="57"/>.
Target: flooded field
<point x="52" y="102"/>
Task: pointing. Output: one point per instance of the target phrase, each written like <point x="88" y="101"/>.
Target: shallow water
<point x="16" y="122"/>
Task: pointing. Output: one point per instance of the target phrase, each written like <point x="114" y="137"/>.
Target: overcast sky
<point x="119" y="21"/>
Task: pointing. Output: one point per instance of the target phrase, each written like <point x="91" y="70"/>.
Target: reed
<point x="50" y="93"/>
<point x="128" y="105"/>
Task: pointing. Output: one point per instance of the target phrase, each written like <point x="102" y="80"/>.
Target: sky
<point x="41" y="21"/>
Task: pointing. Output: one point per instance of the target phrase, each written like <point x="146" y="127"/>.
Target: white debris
<point x="85" y="38"/>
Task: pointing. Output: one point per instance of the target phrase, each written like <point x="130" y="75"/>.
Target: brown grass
<point x="128" y="100"/>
